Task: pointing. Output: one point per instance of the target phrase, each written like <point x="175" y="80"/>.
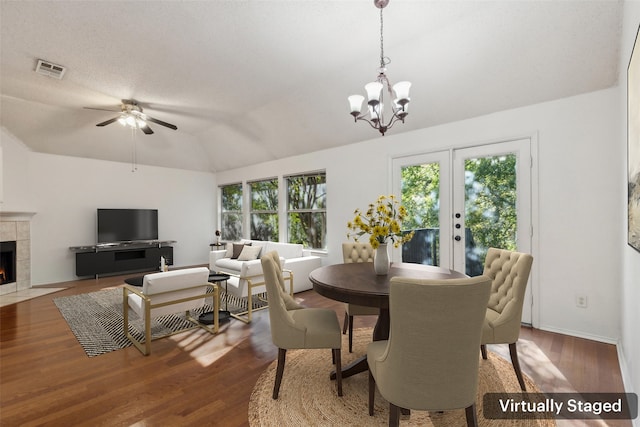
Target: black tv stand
<point x="121" y="257"/>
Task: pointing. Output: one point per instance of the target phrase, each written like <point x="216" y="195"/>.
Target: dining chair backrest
<point x="509" y="273"/>
<point x="357" y="252"/>
<point x="285" y="333"/>
<point x="432" y="355"/>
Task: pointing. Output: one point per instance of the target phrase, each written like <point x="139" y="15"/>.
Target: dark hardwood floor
<point x="196" y="379"/>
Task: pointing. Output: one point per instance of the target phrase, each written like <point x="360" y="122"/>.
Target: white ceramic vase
<point x="381" y="260"/>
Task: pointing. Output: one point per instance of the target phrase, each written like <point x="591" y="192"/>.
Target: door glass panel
<point x="420" y="190"/>
<point x="490" y="208"/>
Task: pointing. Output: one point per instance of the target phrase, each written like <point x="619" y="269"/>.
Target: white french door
<point x="463" y="201"/>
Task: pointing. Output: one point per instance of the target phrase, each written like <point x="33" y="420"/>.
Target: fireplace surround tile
<point x="8" y="231"/>
<point x="18" y="229"/>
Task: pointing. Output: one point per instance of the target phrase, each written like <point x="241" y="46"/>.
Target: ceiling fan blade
<point x="146" y="129"/>
<point x="160" y="122"/>
<point x="101" y="109"/>
<point x="108" y="122"/>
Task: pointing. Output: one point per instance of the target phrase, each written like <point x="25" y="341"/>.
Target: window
<point x="231" y="211"/>
<point x="264" y="210"/>
<point x="307" y="209"/>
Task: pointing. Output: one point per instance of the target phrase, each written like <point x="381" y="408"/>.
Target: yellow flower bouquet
<point x="381" y="221"/>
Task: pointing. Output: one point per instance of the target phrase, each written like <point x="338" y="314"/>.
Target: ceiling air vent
<point x="50" y="70"/>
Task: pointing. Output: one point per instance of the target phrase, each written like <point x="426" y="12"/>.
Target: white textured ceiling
<point x="251" y="81"/>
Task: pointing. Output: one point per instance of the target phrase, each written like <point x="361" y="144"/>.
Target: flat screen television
<point x="124" y="225"/>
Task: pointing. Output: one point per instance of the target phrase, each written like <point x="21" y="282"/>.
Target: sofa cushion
<point x="249" y="253"/>
<point x="228" y="264"/>
<point x="285" y="250"/>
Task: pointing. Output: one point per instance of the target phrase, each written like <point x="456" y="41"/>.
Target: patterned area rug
<point x="96" y="320"/>
<point x="308" y="397"/>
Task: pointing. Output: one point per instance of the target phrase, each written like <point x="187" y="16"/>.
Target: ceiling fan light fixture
<point x="131" y="121"/>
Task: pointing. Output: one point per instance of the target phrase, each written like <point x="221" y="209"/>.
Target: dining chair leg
<point x="345" y="324"/>
<point x="472" y="419"/>
<point x="513" y="351"/>
<point x="394" y="415"/>
<point x="282" y="353"/>
<point x="372" y="392"/>
<point x="350" y="334"/>
<point x="483" y="350"/>
<point x="338" y="361"/>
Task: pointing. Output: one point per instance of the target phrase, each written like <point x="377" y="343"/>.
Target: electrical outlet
<point x="581" y="301"/>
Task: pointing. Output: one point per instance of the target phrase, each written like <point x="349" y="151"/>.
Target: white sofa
<point x="246" y="274"/>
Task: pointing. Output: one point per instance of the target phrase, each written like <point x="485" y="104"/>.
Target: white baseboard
<point x="606" y="340"/>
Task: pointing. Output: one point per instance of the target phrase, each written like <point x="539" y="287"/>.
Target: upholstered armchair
<point x="509" y="274"/>
<point x="430" y="361"/>
<point x="296" y="327"/>
<point x="356" y="252"/>
<point x="169" y="293"/>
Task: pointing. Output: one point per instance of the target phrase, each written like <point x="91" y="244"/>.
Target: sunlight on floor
<point x="205" y="348"/>
<point x="26" y="294"/>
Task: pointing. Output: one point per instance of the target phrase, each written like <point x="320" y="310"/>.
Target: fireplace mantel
<point x="16" y="216"/>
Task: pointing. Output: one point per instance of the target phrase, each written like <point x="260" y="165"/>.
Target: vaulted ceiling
<point x="252" y="81"/>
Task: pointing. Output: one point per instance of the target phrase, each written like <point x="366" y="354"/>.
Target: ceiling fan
<point x="132" y="115"/>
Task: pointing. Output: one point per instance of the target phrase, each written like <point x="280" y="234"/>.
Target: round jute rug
<point x="308" y="397"/>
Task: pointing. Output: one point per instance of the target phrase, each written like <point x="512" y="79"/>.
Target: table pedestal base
<point x="380" y="333"/>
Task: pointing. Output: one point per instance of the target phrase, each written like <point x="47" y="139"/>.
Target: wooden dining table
<point x="358" y="283"/>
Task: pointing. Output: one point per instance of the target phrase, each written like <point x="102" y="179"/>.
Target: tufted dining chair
<point x="353" y="253"/>
<point x="509" y="274"/>
<point x="297" y="327"/>
<point x="430" y="361"/>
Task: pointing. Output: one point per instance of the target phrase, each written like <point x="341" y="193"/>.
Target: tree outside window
<point x="264" y="210"/>
<point x="231" y="211"/>
<point x="307" y="209"/>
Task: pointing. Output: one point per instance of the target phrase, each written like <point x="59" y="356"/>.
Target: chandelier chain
<point x="383" y="60"/>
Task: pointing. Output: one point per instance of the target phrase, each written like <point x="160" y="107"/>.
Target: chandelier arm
<point x="394" y="120"/>
<point x="364" y="119"/>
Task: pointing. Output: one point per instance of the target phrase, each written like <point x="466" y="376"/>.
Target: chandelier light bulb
<point x="122" y="121"/>
<point x="355" y="103"/>
<point x="374" y="90"/>
<point x="375" y="111"/>
<point x="401" y="90"/>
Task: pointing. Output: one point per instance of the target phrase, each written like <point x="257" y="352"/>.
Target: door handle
<point x="457" y="238"/>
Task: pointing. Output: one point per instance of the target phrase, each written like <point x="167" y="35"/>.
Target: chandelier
<point x="375" y="113"/>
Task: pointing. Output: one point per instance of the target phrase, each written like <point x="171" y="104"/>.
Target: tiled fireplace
<point x="15" y="251"/>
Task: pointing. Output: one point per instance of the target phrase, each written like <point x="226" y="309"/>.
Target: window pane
<point x="307" y="192"/>
<point x="308" y="228"/>
<point x="306" y="210"/>
<point x="421" y="198"/>
<point x="264" y="210"/>
<point x="264" y="226"/>
<point x="231" y="226"/>
<point x="232" y="197"/>
<point x="264" y="195"/>
<point x="490" y="208"/>
<point x="231" y="212"/>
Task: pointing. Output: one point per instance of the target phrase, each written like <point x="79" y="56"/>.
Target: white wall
<point x="579" y="197"/>
<point x="66" y="191"/>
<point x="629" y="347"/>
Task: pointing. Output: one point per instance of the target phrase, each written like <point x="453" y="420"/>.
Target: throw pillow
<point x="229" y="252"/>
<point x="249" y="253"/>
<point x="237" y="250"/>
